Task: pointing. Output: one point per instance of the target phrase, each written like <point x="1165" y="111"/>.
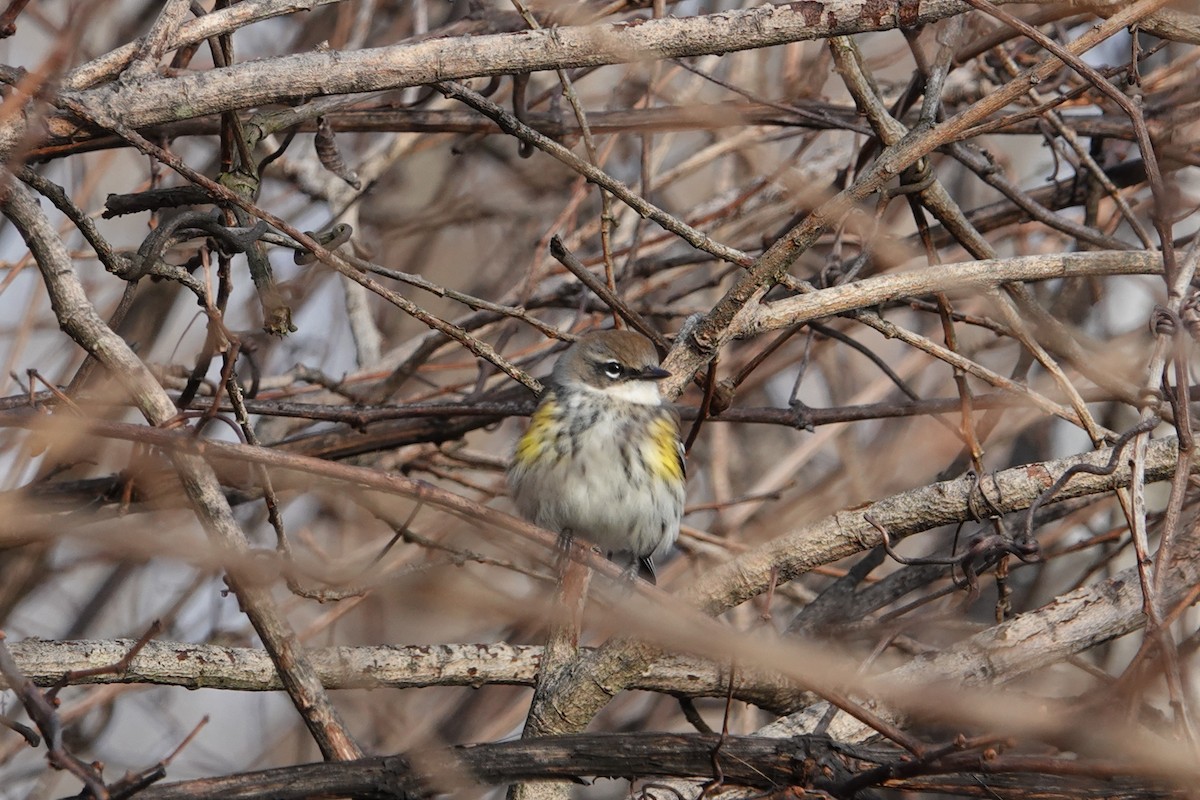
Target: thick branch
<point x="207" y="666"/>
<point x="950" y="278"/>
<point x="317" y="74"/>
<point x="769" y="764"/>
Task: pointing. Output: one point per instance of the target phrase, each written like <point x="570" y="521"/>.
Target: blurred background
<point x="98" y="541"/>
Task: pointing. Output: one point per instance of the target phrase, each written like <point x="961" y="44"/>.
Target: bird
<point x="602" y="458"/>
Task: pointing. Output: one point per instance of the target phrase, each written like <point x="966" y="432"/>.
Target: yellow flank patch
<point x="539" y="437"/>
<point x="664" y="458"/>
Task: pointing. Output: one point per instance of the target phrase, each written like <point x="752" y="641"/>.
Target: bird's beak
<point x="654" y="374"/>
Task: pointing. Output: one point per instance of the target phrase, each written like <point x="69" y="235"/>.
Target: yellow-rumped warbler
<point x="602" y="457"/>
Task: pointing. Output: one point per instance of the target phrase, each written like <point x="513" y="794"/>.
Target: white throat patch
<point x="643" y="393"/>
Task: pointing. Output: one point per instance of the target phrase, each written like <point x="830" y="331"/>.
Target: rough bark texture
<point x="283" y="278"/>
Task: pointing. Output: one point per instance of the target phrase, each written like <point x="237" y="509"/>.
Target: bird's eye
<point x="612" y="369"/>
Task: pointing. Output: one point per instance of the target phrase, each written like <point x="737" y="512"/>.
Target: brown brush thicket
<point x="278" y="284"/>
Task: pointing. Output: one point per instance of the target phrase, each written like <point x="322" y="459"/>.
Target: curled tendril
<point x="1145" y="426"/>
<point x="1164" y="321"/>
<point x="189" y="225"/>
<point x="1190" y="315"/>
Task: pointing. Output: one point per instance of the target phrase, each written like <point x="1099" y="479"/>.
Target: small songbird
<point x="602" y="458"/>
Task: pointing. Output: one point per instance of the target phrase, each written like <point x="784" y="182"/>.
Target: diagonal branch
<point x="79" y="319"/>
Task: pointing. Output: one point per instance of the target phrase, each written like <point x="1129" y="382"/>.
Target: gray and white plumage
<point x="602" y="458"/>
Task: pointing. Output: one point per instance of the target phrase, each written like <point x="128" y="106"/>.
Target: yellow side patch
<point x="664" y="457"/>
<point x="539" y="437"/>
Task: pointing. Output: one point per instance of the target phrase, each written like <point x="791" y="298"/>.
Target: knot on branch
<point x="693" y="330"/>
<point x="130" y="267"/>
